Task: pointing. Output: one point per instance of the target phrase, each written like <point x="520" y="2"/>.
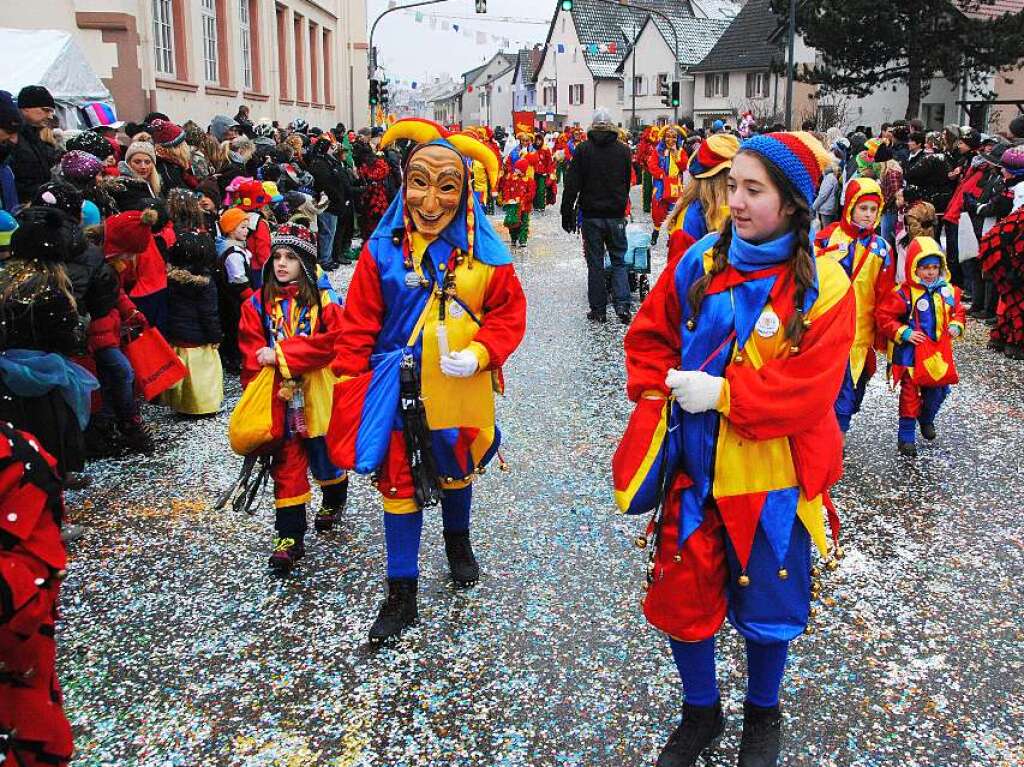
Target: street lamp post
<point x="791" y="68"/>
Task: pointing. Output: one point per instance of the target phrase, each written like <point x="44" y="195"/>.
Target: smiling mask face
<point x="433" y="188"/>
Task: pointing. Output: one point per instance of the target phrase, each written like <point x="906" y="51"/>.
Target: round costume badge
<point x="412" y="280"/>
<point x="767" y="324"/>
<point x="922" y="304"/>
<point x="947" y="291"/>
<point x="455" y="310"/>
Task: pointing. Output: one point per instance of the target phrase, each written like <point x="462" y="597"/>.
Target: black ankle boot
<point x="700" y="728"/>
<point x="762" y="736"/>
<point x="330" y="512"/>
<point x="398" y="611"/>
<point x="464" y="568"/>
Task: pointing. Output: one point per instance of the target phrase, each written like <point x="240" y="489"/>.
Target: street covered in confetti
<point x="177" y="647"/>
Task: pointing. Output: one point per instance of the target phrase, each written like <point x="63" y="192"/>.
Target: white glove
<point x="460" y="364"/>
<point x="695" y="390"/>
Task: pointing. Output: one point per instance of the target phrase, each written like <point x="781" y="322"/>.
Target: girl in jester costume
<point x="666" y="163"/>
<point x="435" y="289"/>
<point x="921" y="317"/>
<point x="734" y="361"/>
<point x="867" y="260"/>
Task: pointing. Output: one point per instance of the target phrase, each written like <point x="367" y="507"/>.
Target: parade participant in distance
<point x="866" y="258"/>
<point x="543" y="169"/>
<point x="291" y="326"/>
<point x="921" y="317"/>
<point x="703" y="205"/>
<point x="734" y="361"/>
<point x="435" y="291"/>
<point x="666" y="165"/>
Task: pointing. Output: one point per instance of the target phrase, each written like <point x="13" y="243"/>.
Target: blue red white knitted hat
<point x="714" y="155"/>
<point x="798" y="155"/>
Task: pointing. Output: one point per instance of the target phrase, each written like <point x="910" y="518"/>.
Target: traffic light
<point x="384" y="93"/>
<point x="481" y="6"/>
<point x="566" y="5"/>
<point x="675" y="93"/>
<point x="665" y="90"/>
<point x="374" y="92"/>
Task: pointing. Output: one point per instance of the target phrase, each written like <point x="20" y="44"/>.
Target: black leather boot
<point x="461" y="561"/>
<point x="762" y="736"/>
<point x="700" y="728"/>
<point x="398" y="611"/>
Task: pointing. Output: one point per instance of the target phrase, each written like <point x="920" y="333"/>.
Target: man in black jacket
<point x="32" y="158"/>
<point x="598" y="178"/>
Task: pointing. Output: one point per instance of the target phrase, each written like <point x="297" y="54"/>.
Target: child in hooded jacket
<point x="234" y="280"/>
<point x="291" y="325"/>
<point x="921" y="317"/>
<point x="193" y="325"/>
<point x="852" y="241"/>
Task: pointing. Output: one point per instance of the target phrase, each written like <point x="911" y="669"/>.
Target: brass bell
<point x="393" y="490"/>
<point x="640" y="541"/>
<point x="840" y="552"/>
<point x="809" y="629"/>
<point x="832" y="565"/>
<point x="60" y="575"/>
<point x="677" y="558"/>
<point x="502" y="466"/>
<point x="815" y="572"/>
<point x="738" y="359"/>
<point x="794" y="349"/>
<point x="813" y="612"/>
<point x="407" y="264"/>
<point x="396" y="240"/>
<point x="743" y="580"/>
<point x="815" y="593"/>
<point x="783" y="573"/>
<point x="690" y="324"/>
<point x="807" y="323"/>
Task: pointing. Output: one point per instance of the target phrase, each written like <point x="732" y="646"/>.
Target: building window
<point x="282" y="51"/>
<point x="757" y="85"/>
<point x="328" y="68"/>
<point x="314" y="70"/>
<point x="576" y="94"/>
<point x="620" y="94"/>
<point x="716" y="86"/>
<point x="300" y="59"/>
<point x="163" y="36"/>
<point x="575" y="51"/>
<point x="639" y="88"/>
<point x="662" y="82"/>
<point x="245" y="42"/>
<point x="208" y="14"/>
<point x="550" y="94"/>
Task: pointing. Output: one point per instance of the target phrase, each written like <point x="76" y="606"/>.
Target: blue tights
<point x="695" y="661"/>
<point x="402" y="531"/>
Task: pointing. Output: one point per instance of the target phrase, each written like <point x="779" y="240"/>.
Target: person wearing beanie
<point x="518" y="192"/>
<point x="865" y="256"/>
<point x="921" y="318"/>
<point x="968" y="174"/>
<point x="737" y="355"/>
<point x="596" y="195"/>
<point x="703" y="205"/>
<point x="140" y="163"/>
<point x="41" y="390"/>
<point x="79" y="166"/>
<point x="173" y="157"/>
<point x="288" y="331"/>
<point x="35" y="153"/>
<point x="93" y="143"/>
<point x="11" y="124"/>
<point x="235" y="281"/>
<point x="249" y="195"/>
<point x="193" y="325"/>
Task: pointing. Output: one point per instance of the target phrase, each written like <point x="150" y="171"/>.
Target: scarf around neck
<point x="749" y="257"/>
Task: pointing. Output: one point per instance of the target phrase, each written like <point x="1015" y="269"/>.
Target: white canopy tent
<point x="51" y="58"/>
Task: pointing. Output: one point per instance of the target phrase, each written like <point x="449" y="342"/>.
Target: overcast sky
<point x="412" y="51"/>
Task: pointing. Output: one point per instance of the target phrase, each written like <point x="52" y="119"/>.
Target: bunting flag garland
<point x="560" y="48"/>
<point x="455" y="27"/>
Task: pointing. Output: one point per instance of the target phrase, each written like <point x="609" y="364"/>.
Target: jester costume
<point x="647" y="145"/>
<point x="518" y="194"/>
<point x="421" y="302"/>
<point x="742" y="487"/>
<point x="543" y="170"/>
<point x="867" y="261"/>
<point x="924" y="370"/>
<point x="299" y="388"/>
<point x="1001" y="253"/>
<point x="666" y="166"/>
<point x="33" y="729"/>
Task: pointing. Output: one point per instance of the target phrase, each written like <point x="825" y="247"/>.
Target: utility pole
<point x="791" y="69"/>
<point x="632" y="81"/>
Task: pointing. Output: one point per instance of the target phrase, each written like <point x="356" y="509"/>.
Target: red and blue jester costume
<point x="33" y="729"/>
<point x="303" y="338"/>
<point x="867" y="261"/>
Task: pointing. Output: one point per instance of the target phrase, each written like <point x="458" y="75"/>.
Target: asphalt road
<point x="176" y="647"/>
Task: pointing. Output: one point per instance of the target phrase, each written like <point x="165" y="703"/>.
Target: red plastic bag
<point x="157" y="368"/>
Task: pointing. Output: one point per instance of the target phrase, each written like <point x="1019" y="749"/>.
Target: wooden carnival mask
<point x="434" y="183"/>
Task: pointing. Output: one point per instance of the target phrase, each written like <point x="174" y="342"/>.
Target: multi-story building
<point x="192" y="59"/>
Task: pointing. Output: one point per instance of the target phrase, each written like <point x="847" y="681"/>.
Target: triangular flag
<point x="455" y="27"/>
<point x="469" y="89"/>
<point x="612" y="47"/>
<point x="740" y="514"/>
<point x="602" y="48"/>
<point x="561" y="48"/>
<point x="414" y="85"/>
<point x="419" y="16"/>
<point x="777" y="517"/>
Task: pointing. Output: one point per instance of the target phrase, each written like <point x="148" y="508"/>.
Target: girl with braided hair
<point x="734" y="362"/>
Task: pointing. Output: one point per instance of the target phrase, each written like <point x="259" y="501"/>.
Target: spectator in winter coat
<point x="140" y="163"/>
<point x="35" y="153"/>
<point x="173" y="157"/>
<point x="11" y="123"/>
<point x="193" y="325"/>
<point x="598" y="182"/>
<point x="928" y="170"/>
<point x="826" y="204"/>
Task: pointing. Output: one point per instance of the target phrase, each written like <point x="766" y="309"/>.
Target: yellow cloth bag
<point x="256" y="422"/>
<point x="201" y="391"/>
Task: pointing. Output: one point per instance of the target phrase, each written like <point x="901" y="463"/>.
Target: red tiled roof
<point x="996" y="9"/>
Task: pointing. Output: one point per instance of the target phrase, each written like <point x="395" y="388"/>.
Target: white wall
<point x="501" y="100"/>
<point x="568" y="68"/>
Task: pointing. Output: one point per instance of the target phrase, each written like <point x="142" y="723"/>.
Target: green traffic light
<point x="566" y="5"/>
